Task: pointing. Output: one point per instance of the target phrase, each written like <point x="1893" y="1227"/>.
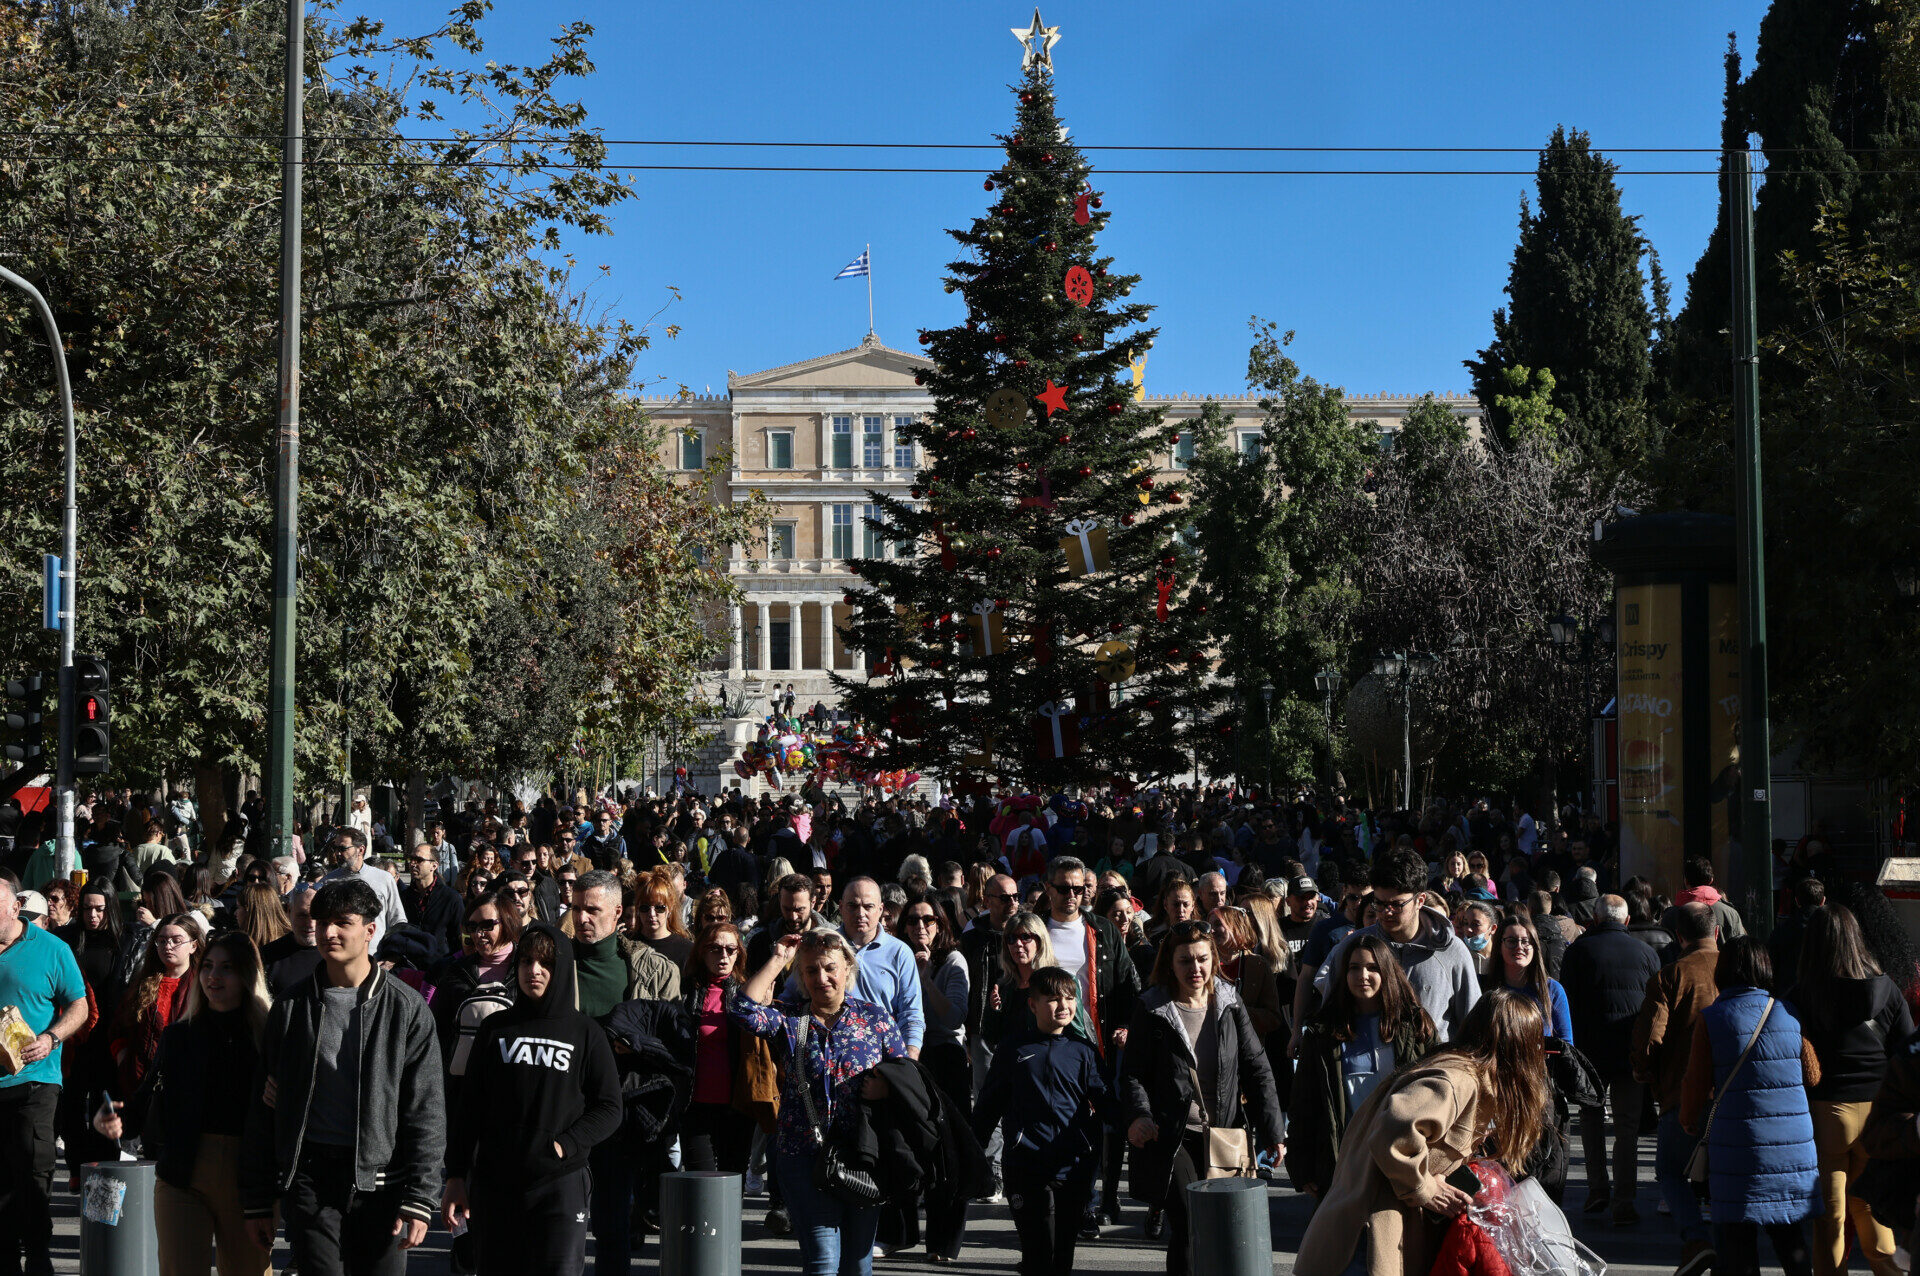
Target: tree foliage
<point x="1278" y="546"/>
<point x="992" y="504"/>
<point x="465" y="427"/>
<point x="1577" y="308"/>
<point x="1466" y="552"/>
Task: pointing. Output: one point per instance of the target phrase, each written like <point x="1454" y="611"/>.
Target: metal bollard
<point x="1229" y="1232"/>
<point x="116" y="1219"/>
<point x="700" y="1223"/>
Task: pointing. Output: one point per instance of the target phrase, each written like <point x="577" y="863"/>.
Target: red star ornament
<point x="1054" y="397"/>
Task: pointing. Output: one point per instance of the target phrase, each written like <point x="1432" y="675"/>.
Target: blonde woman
<point x="206" y="1057"/>
<point x="1024" y="948"/>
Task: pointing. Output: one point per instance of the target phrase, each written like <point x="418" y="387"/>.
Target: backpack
<point x="483" y="1001"/>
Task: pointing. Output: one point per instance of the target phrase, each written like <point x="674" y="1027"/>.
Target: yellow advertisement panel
<point x="1652" y="728"/>
<point x="1723" y="714"/>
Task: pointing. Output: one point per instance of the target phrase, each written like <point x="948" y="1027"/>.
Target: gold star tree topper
<point x="1036" y="43"/>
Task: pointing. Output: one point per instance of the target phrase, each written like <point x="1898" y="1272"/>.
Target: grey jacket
<point x="402" y="1135"/>
<point x="1438" y="965"/>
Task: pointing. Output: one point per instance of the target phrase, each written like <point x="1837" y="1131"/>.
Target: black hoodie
<point x="541" y="1073"/>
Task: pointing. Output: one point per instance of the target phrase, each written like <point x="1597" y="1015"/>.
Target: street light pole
<point x="286" y="485"/>
<point x="1266" y="743"/>
<point x="65" y="848"/>
<point x="1328" y="682"/>
<point x="1756" y="743"/>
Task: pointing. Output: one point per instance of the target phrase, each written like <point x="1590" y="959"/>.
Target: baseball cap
<point x="33" y="905"/>
<point x="1302" y="886"/>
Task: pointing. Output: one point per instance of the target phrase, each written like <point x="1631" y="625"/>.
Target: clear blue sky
<point x="1389" y="281"/>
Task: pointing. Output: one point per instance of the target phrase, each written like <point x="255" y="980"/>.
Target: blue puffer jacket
<point x="1760" y="1157"/>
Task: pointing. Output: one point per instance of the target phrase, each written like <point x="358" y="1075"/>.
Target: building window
<point x="693" y="450"/>
<point x="873" y="442"/>
<point x="1387" y="439"/>
<point x="843" y="531"/>
<point x="779" y="449"/>
<point x="843" y="443"/>
<point x="872" y="543"/>
<point x="902" y="446"/>
<point x="1183" y="450"/>
<point x="1250" y="443"/>
<point x="780" y="539"/>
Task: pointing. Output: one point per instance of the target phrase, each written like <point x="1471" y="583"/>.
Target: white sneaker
<point x="755" y="1186"/>
<point x="881" y="1250"/>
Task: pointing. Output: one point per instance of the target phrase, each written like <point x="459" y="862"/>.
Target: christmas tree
<point x="1040" y="630"/>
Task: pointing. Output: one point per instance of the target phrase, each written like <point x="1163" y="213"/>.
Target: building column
<point x="826" y="634"/>
<point x="736" y="639"/>
<point x="761" y="642"/>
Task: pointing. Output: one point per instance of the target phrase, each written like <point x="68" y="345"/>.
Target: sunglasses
<point x="1010" y="897"/>
<point x="1071" y="890"/>
<point x="475" y="928"/>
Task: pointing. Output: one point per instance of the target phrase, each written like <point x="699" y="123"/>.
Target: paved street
<point x="1648" y="1249"/>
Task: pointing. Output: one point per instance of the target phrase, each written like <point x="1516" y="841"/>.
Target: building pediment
<point x="867" y="366"/>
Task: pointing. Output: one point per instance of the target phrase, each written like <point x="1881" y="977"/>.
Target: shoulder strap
<point x="1764" y="1016"/>
<point x="803" y="1084"/>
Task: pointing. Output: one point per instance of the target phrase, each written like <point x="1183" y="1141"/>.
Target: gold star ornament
<point x="1036" y="43"/>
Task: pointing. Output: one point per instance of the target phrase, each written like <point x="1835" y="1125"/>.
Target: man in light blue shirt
<point x="888" y="975"/>
<point x="39" y="975"/>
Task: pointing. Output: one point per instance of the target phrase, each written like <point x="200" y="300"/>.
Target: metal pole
<point x="286" y="486"/>
<point x="1406" y="735"/>
<point x="65" y="849"/>
<point x="1756" y="742"/>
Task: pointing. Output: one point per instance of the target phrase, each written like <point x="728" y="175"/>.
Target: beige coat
<point x="1398" y="1149"/>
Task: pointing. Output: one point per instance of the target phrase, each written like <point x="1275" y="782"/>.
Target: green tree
<point x="1278" y="547"/>
<point x="458" y="405"/>
<point x="1577" y="308"/>
<point x="1048" y="321"/>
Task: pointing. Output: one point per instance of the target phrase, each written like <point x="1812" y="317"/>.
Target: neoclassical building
<point x="815" y="437"/>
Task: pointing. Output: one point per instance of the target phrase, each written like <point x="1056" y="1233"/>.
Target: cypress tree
<point x="1577" y="308"/>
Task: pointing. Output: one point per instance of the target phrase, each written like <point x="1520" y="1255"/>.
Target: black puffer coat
<point x="917" y="1140"/>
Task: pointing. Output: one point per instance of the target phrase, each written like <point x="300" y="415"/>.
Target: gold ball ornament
<point x="1114" y="661"/>
<point x="1005" y="408"/>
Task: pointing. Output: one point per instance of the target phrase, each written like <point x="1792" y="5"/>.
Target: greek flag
<point x="858" y="266"/>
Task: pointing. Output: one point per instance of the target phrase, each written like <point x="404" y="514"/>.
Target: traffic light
<point x="26" y="699"/>
<point x="92" y="716"/>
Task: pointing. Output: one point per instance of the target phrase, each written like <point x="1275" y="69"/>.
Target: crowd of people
<point x="880" y="1015"/>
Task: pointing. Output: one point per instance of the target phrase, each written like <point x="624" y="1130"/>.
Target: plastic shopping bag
<point x="1528" y="1229"/>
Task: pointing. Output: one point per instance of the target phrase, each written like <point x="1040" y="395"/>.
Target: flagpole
<point x="869" y="290"/>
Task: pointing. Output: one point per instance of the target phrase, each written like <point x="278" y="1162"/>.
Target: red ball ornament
<point x="1016" y="139"/>
<point x="847" y="599"/>
<point x="1021" y="466"/>
<point x="1100" y="271"/>
<point x="993" y="552"/>
<point x="1047" y="158"/>
<point x="1064" y="439"/>
<point x="1078" y="337"/>
<point x="1173" y="653"/>
<point x="1114" y="408"/>
<point x="1202" y="609"/>
<point x="915" y="492"/>
<point x="1146" y="483"/>
<point x="969" y="434"/>
<point x="1167" y="560"/>
<point x="1114" y="627"/>
<point x="1025" y="98"/>
<point x="1006" y="210"/>
<point x="1086" y="471"/>
<point x="918" y="379"/>
<point x="1173" y="498"/>
<point x="1052" y="247"/>
<point x="1127" y="519"/>
<point x="1096" y="201"/>
<point x="999" y="338"/>
<point x="1019" y="363"/>
<point x="987" y="185"/>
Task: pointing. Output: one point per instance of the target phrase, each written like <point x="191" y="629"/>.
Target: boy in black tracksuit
<point x="1049" y="1090"/>
<point x="540" y="1092"/>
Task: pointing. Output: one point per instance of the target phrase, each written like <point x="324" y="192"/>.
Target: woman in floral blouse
<point x="845" y="1039"/>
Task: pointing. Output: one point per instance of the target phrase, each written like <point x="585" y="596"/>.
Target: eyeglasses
<point x="1396" y="905"/>
<point x="1516" y="941"/>
<point x="171" y="941"/>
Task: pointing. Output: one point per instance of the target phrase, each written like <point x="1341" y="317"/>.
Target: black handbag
<point x="832" y="1173"/>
